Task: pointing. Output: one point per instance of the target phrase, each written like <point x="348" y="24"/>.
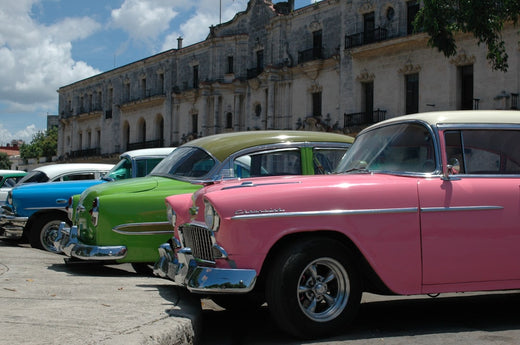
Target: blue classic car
<point x="34" y="211"/>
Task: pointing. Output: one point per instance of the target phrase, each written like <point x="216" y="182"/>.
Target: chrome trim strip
<point x="62" y="208"/>
<point x="327" y="213"/>
<point x="460" y="208"/>
<point x="120" y="229"/>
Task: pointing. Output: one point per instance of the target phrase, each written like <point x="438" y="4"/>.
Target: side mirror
<point x="453" y="168"/>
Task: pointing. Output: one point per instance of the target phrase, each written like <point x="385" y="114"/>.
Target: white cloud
<point x="26" y="134"/>
<point x="144" y="20"/>
<point x="36" y="58"/>
<point x="206" y="13"/>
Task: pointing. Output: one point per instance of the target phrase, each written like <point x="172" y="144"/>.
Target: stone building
<point x="334" y="65"/>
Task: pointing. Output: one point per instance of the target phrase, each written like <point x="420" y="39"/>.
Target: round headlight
<point x="170" y="213"/>
<point x="211" y="217"/>
<point x="10" y="198"/>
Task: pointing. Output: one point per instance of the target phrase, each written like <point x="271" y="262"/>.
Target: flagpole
<point x="220" y="13"/>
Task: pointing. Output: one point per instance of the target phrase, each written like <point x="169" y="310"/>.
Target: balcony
<point x="85" y="153"/>
<point x="310" y="55"/>
<point x="145" y="144"/>
<point x="364" y="118"/>
<point x="362" y="38"/>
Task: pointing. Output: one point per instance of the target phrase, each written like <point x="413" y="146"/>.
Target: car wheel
<point x="313" y="288"/>
<point x="45" y="230"/>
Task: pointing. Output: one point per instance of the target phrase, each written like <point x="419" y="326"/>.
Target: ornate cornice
<point x="463" y="59"/>
<point x="410" y="68"/>
<point x="365" y="76"/>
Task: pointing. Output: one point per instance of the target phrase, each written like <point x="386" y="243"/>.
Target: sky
<point x="46" y="44"/>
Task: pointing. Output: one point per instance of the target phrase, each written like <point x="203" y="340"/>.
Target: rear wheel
<point x="313" y="288"/>
<point x="45" y="230"/>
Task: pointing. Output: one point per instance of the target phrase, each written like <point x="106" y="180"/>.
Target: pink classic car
<point x="421" y="204"/>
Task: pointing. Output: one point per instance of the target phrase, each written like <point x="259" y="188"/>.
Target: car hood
<point x="54" y="187"/>
<point x="133" y="185"/>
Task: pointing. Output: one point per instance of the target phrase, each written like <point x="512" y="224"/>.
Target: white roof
<point x="5" y="172"/>
<point x="53" y="170"/>
<point x="159" y="151"/>
<point x="462" y="116"/>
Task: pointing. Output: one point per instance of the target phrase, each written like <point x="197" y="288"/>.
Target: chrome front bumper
<point x="67" y="242"/>
<point x="183" y="269"/>
<point x="11" y="226"/>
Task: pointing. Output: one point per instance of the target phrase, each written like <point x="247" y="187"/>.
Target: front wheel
<point x="313" y="288"/>
<point x="45" y="230"/>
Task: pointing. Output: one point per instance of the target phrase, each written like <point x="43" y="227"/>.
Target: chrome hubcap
<point x="323" y="289"/>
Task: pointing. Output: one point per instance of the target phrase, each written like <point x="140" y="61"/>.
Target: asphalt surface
<point x="45" y="301"/>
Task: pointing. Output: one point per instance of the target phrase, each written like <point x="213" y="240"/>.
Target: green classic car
<point x="125" y="221"/>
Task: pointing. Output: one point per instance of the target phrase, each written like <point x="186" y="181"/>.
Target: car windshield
<point x="120" y="171"/>
<point x="395" y="148"/>
<point x="34" y="176"/>
<point x="185" y="163"/>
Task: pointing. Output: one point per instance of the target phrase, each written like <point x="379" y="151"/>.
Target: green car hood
<point x="134" y="185"/>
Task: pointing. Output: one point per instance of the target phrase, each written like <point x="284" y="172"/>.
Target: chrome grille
<point x="198" y="239"/>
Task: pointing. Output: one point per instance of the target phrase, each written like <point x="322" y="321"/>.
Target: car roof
<point x="435" y="118"/>
<point x="158" y="151"/>
<point x="53" y="170"/>
<point x="223" y="145"/>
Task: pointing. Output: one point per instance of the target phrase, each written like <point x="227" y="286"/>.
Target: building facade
<point x="335" y="65"/>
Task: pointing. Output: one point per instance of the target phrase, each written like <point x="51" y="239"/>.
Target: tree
<point x="485" y="19"/>
<point x="43" y="144"/>
<point x="5" y="163"/>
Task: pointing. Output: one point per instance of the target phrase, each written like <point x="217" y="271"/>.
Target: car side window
<point x="325" y="160"/>
<point x="144" y="166"/>
<point x="78" y="177"/>
<point x="407" y="148"/>
<point x="484" y="151"/>
<point x="268" y="163"/>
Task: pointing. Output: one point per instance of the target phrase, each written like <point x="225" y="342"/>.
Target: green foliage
<point x="5" y="163"/>
<point x="485" y="19"/>
<point x="43" y="144"/>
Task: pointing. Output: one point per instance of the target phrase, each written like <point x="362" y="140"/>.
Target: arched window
<point x="141" y="125"/>
<point x="126" y="135"/>
<point x="159" y="129"/>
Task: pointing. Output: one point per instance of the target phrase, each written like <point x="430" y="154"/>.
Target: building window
<point x="465" y="75"/>
<point x="317" y="43"/>
<point x="259" y="61"/>
<point x="369" y="25"/>
<point x="412" y="93"/>
<point x="230" y="64"/>
<point x="194" y="123"/>
<point x="229" y="120"/>
<point x="161" y="83"/>
<point x="143" y="88"/>
<point x="196" y="77"/>
<point x="110" y="97"/>
<point x="367" y="102"/>
<point x="258" y="110"/>
<point x="412" y="9"/>
<point x="127" y="92"/>
<point x="316" y="104"/>
<point x="89" y="140"/>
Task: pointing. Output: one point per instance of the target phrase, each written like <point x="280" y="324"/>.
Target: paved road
<point x="454" y="319"/>
<point x="44" y="301"/>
